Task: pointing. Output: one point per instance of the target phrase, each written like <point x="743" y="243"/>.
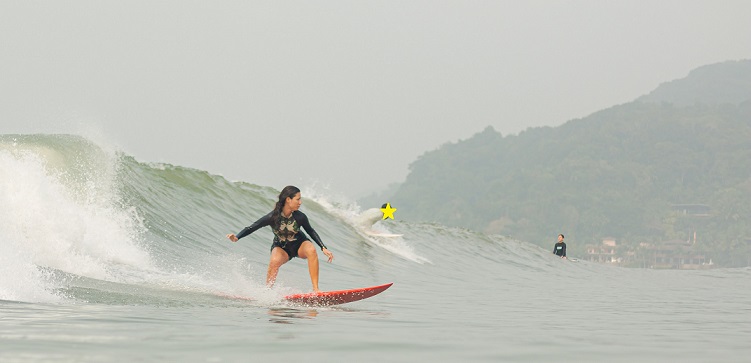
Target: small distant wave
<point x="367" y="225"/>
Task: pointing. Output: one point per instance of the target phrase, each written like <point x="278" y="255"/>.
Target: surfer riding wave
<point x="286" y="221"/>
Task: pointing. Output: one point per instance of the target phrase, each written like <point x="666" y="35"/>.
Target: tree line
<point x="617" y="173"/>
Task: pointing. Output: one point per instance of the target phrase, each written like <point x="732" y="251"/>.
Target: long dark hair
<point x="288" y="192"/>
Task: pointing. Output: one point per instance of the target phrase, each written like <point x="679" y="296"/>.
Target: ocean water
<point x="107" y="259"/>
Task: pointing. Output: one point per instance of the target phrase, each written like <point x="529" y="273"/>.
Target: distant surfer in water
<point x="289" y="241"/>
<point x="560" y="247"/>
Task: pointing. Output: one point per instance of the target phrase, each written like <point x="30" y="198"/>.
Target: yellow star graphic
<point x="388" y="212"/>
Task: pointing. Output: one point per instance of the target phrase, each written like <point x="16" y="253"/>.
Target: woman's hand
<point x="232" y="237"/>
<point x="328" y="254"/>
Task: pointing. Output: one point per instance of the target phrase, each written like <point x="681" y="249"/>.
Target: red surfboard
<point x="327" y="298"/>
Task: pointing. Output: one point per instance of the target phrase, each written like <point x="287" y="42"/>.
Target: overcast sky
<point x="342" y="93"/>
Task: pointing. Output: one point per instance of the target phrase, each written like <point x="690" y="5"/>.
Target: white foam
<point x="20" y="279"/>
<point x="48" y="221"/>
<point x="365" y="223"/>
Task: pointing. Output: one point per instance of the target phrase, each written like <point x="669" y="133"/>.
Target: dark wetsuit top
<point x="289" y="229"/>
<point x="560" y="249"/>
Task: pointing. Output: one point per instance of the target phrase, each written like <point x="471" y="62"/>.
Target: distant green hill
<point x="623" y="172"/>
<point x="709" y="85"/>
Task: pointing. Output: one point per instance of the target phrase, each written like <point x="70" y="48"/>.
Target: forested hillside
<point x="617" y="173"/>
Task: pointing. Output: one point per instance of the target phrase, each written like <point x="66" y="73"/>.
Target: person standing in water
<point x="560" y="247"/>
<point x="289" y="240"/>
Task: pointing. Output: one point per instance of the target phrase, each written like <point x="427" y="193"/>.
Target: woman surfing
<point x="289" y="240"/>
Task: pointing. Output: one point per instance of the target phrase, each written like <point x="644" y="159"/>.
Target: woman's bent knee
<point x="278" y="257"/>
<point x="307" y="250"/>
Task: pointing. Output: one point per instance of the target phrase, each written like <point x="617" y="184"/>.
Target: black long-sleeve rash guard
<point x="560" y="249"/>
<point x="301" y="221"/>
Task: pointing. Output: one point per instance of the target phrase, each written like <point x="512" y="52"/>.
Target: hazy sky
<point x="343" y="93"/>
